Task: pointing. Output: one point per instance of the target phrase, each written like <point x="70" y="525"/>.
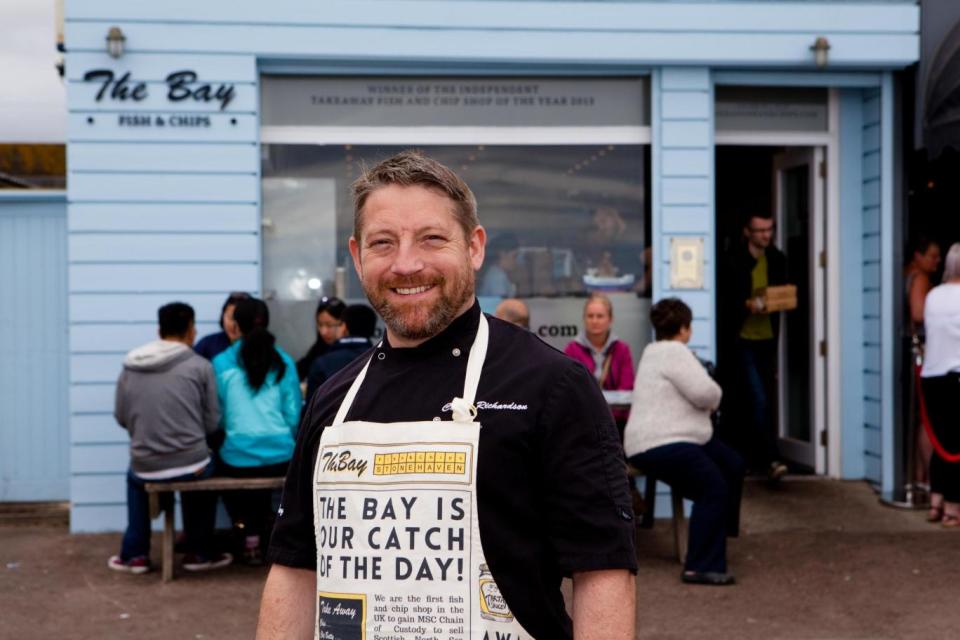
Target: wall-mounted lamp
<point x="821" y="51"/>
<point x="115" y="42"/>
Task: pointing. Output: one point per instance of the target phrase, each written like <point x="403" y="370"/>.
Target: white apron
<point x="398" y="538"/>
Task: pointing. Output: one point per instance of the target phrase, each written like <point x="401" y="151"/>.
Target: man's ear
<point x="354" y="247"/>
<point x="477" y="247"/>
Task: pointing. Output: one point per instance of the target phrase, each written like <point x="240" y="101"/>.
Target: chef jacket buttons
<point x="381" y="356"/>
<point x="456" y="352"/>
<point x="436" y="418"/>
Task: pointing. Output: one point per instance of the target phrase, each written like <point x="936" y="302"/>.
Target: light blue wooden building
<point x="215" y="151"/>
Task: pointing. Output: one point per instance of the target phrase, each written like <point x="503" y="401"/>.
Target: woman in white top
<point x="941" y="388"/>
<point x="669" y="435"/>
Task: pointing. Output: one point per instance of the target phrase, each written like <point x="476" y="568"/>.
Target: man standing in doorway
<point x="397" y="495"/>
<point x="751" y="334"/>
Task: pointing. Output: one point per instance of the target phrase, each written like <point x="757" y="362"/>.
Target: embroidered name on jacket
<point x="493" y="406"/>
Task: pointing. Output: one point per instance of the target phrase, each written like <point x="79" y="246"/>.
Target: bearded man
<point x="446" y="481"/>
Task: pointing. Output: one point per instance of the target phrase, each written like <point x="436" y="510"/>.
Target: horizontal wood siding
<point x="156" y="214"/>
<point x="716" y="33"/>
<point x="683" y="187"/>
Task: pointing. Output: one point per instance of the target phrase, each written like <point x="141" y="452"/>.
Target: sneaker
<point x="192" y="562"/>
<point x="776" y="470"/>
<point x="138" y="565"/>
<point x="712" y="578"/>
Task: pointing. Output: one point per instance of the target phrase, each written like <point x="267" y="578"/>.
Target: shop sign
<point x="180" y="86"/>
<point x="442" y="102"/>
<point x="771" y="109"/>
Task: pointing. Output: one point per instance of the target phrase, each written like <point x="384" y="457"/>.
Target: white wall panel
<point x="129" y="307"/>
<point x="650" y="16"/>
<point x="719" y="47"/>
<point x="95" y="518"/>
<point x="33" y="347"/>
<point x="163" y="157"/>
<point x="128" y="278"/>
<point x="97" y="429"/>
<point x="125" y="187"/>
<point x="120" y="338"/>
<point x="160" y="247"/>
<point x="150" y="217"/>
<point x="92" y="398"/>
<point x="99" y="489"/>
<point x="687" y="219"/>
<point x="99" y="458"/>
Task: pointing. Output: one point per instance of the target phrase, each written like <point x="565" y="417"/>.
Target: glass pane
<point x="561" y="221"/>
<point x="797" y="333"/>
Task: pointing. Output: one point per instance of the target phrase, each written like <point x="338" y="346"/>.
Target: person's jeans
<point x="197" y="507"/>
<point x="757" y="362"/>
<point x="712" y="476"/>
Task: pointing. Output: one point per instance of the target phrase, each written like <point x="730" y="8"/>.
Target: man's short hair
<point x="175" y="319"/>
<point x="747" y="217"/>
<point x="361" y="320"/>
<point x="669" y="316"/>
<point x="412" y="168"/>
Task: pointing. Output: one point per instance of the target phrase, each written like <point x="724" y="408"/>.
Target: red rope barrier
<point x="925" y="420"/>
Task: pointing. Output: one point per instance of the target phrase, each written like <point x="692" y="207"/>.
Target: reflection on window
<point x="561" y="220"/>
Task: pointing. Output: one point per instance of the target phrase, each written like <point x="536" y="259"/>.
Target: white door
<point x="799" y="177"/>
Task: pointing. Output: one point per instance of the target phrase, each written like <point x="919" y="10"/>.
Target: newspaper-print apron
<point x="398" y="539"/>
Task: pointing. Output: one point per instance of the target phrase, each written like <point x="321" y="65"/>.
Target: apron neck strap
<point x="478" y="353"/>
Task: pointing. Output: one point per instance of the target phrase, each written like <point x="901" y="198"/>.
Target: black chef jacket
<point x="551" y="487"/>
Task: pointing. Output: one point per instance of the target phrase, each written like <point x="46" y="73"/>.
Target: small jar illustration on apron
<point x="492" y="605"/>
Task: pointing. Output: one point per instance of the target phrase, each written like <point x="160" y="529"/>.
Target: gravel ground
<point x="816" y="559"/>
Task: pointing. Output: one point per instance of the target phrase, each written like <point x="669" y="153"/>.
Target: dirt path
<point x="817" y="559"/>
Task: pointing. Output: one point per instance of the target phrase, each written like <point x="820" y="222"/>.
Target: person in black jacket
<point x="749" y="337"/>
<point x="359" y="322"/>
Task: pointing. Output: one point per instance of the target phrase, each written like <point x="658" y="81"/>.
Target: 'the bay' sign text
<point x="181" y="85"/>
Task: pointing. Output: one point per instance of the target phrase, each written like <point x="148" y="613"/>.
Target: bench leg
<point x="167" y="546"/>
<point x="679" y="525"/>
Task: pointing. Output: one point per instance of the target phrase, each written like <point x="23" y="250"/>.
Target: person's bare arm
<point x="919" y="288"/>
<point x="288" y="605"/>
<point x="604" y="605"/>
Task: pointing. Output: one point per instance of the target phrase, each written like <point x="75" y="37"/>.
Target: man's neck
<point x="178" y="339"/>
<point x="755" y="251"/>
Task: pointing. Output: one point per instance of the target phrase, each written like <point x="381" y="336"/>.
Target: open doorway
<point x="787" y="184"/>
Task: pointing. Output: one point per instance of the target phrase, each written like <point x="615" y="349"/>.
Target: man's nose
<point x="407" y="259"/>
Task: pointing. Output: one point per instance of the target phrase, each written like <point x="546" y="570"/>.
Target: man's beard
<point x="416" y="320"/>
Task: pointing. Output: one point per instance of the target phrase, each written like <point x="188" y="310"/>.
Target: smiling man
<point x="446" y="481"/>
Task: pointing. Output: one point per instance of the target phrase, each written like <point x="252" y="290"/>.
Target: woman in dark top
<point x="211" y="345"/>
<point x="329" y="329"/>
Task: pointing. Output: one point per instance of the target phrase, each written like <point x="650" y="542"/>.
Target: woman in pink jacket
<point x="599" y="350"/>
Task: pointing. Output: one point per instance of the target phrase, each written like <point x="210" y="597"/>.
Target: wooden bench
<point x="679" y="520"/>
<point x="158" y="490"/>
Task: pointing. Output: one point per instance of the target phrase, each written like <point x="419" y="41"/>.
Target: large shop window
<point x="561" y="185"/>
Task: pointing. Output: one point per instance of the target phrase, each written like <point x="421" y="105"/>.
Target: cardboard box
<point x="780" y="298"/>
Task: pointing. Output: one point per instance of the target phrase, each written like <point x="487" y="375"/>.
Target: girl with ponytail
<point x="260" y="400"/>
